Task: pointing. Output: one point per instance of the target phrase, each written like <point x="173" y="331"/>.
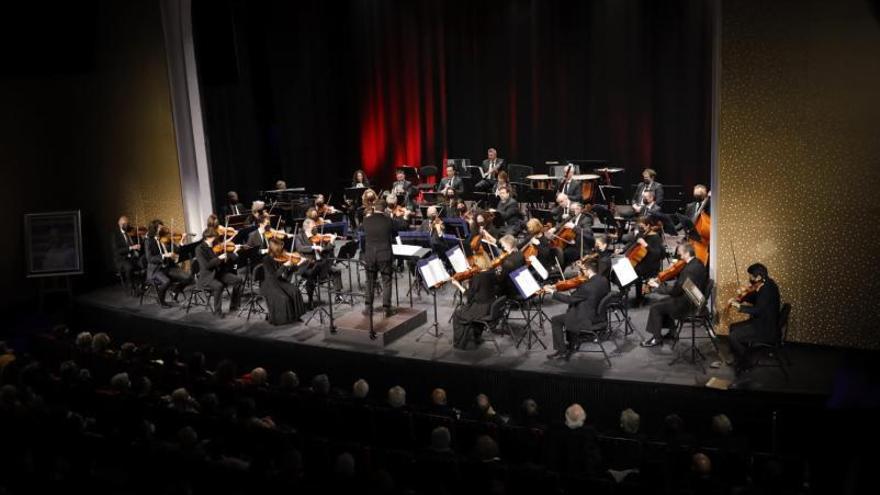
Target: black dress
<point x="283" y="299"/>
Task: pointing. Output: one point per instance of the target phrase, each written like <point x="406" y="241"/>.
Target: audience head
<point x="673" y="424"/>
<point x="701" y="464"/>
<point x="321" y="384"/>
<point x="575" y="416"/>
<point x="226" y="372"/>
<point x="486" y="449"/>
<point x="100" y="342"/>
<point x="630" y="421"/>
<point x="438" y="397"/>
<point x="288" y="380"/>
<point x="721" y="425"/>
<point x="259" y="377"/>
<point x="187" y="437"/>
<point x="360" y="389"/>
<point x="530" y="408"/>
<point x="84" y="341"/>
<point x="396" y="396"/>
<point x="441" y="439"/>
<point x="344" y="465"/>
<point x="121" y="382"/>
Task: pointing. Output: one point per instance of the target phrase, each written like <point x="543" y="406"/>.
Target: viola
<point x="570" y="283"/>
<point x="167" y="236"/>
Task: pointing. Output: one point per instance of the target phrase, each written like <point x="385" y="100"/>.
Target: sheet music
<point x="693" y="293"/>
<point x="457" y="259"/>
<point x="405" y="249"/>
<point x="624" y="270"/>
<point x="432" y="270"/>
<point x="525" y="282"/>
<point x="539" y="267"/>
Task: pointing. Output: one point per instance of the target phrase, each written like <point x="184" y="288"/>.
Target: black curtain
<point x="310" y="91"/>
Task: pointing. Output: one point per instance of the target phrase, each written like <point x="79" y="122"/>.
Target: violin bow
<point x="735" y="267"/>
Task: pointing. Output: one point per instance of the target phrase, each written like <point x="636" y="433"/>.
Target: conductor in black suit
<point x="582" y="306"/>
<point x="678" y="304"/>
<point x="126" y="252"/>
<point x="377" y="255"/>
<point x="214" y="273"/>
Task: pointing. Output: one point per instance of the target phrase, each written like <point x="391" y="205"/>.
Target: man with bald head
<point x="126" y="251"/>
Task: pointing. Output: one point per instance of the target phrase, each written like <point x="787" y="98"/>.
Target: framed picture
<point x="53" y="243"/>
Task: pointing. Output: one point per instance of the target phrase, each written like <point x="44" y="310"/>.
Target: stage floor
<point x="630" y="362"/>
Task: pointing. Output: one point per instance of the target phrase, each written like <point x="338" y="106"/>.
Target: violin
<point x="568" y="284"/>
<point x="167" y="236"/>
<point x="322" y="238"/>
<point x="224" y="247"/>
<point x="136" y="232"/>
<point x="226" y="231"/>
<point x="743" y="293"/>
<point x="275" y="234"/>
<point x="666" y="275"/>
<point x="285" y="256"/>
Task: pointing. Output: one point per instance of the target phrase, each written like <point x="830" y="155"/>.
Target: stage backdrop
<point x="800" y="160"/>
<point x="310" y="91"/>
<point x="86" y="124"/>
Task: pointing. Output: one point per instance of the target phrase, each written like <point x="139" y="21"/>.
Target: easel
<point x="55" y="284"/>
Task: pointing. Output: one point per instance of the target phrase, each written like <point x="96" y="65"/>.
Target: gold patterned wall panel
<point x="799" y="160"/>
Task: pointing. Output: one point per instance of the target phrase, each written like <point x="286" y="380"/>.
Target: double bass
<point x="703" y="228"/>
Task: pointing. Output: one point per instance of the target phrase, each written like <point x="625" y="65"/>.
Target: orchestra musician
<point x="215" y="272"/>
<point x="212" y="221"/>
<point x="403" y="190"/>
<point x="581" y="225"/>
<point x="508" y="210"/>
<point x="283" y="299"/>
<point x="583" y="304"/>
<point x="604" y="258"/>
<point x="513" y="259"/>
<point x="648" y="235"/>
<point x="535" y="236"/>
<point x="693" y="209"/>
<point x="377" y="255"/>
<point x="318" y="248"/>
<point x="562" y="211"/>
<point x="504" y="181"/>
<point x="280" y="185"/>
<point x="481" y="292"/>
<point x="568" y="185"/>
<point x="648" y="205"/>
<point x="257" y="209"/>
<point x="322" y="207"/>
<point x="359" y="179"/>
<point x="648" y="183"/>
<point x="761" y="301"/>
<point x="126" y="251"/>
<point x="450" y="183"/>
<point x="491" y="167"/>
<point x="162" y="269"/>
<point x="233" y="206"/>
<point x="677" y="305"/>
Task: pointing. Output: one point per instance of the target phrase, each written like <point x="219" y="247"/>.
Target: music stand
<point x="432" y="272"/>
<point x="528" y="287"/>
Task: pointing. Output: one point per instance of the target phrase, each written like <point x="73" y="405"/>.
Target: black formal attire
<point x="377" y="256"/>
<point x="571" y="188"/>
<point x="583" y="239"/>
<point x="510" y="215"/>
<point x="454" y="182"/>
<point x="546" y="254"/>
<point x="486" y="183"/>
<point x="365" y="184"/>
<point x="126" y="260"/>
<point x="583" y="303"/>
<point x="214" y="276"/>
<point x="409" y="193"/>
<point x="604" y="263"/>
<point x="652" y="262"/>
<point x="479" y="295"/>
<point x="576" y="451"/>
<point x="513" y="261"/>
<point x="255" y="247"/>
<point x="656" y="187"/>
<point x="318" y="267"/>
<point x="162" y="272"/>
<point x="763" y="322"/>
<point x="283" y="299"/>
<point x="677" y="305"/>
<point x="233" y="209"/>
<point x="686" y="220"/>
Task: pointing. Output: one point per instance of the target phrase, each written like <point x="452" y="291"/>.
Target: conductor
<point x="377" y="256"/>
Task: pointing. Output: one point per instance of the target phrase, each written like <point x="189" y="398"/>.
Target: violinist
<point x="403" y="190"/>
<point x="508" y="210"/>
<point x="162" y="269"/>
<point x="318" y="248"/>
<point x="233" y="206"/>
<point x="541" y="245"/>
<point x="513" y="259"/>
<point x="212" y="222"/>
<point x="257" y="209"/>
<point x="647" y="236"/>
<point x="283" y="299"/>
<point x="126" y="251"/>
<point x="450" y="183"/>
<point x="761" y="301"/>
<point x="663" y="313"/>
<point x="604" y="258"/>
<point x="583" y="304"/>
<point x="359" y="180"/>
<point x="478" y="298"/>
<point x="322" y="207"/>
<point x="215" y="271"/>
<point x="504" y="181"/>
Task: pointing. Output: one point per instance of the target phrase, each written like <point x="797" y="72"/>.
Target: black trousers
<point x="663" y="314"/>
<point x="744" y="333"/>
<point x="216" y="286"/>
<point x="171" y="276"/>
<point x="384" y="269"/>
<point x="560" y="336"/>
<point x="126" y="268"/>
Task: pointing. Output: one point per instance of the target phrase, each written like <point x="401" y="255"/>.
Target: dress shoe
<point x="652" y="342"/>
<point x="389" y="312"/>
<point x="555" y="355"/>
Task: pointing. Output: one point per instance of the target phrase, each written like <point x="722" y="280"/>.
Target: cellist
<point x="573" y="236"/>
<point x="647" y="237"/>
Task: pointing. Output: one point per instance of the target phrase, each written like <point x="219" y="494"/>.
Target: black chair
<point x="425" y="173"/>
<point x="773" y="350"/>
<point x="597" y="331"/>
<point x="518" y="173"/>
<point x="699" y="317"/>
<point x="494" y="318"/>
<point x="147" y="287"/>
<point x="255" y="300"/>
<point x="201" y="295"/>
<point x="618" y="315"/>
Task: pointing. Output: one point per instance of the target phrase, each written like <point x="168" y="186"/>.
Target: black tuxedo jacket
<point x="454" y="182"/>
<point x="572" y="189"/>
<point x="230" y="209"/>
<point x="583" y="303"/>
<point x="509" y="211"/>
<point x="696" y="272"/>
<point x="209" y="262"/>
<point x="256" y="240"/>
<point x="654" y="186"/>
<point x="120" y="243"/>
<point x="764" y="311"/>
<point x="155" y="261"/>
<point x="500" y="165"/>
<point x="378" y="236"/>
